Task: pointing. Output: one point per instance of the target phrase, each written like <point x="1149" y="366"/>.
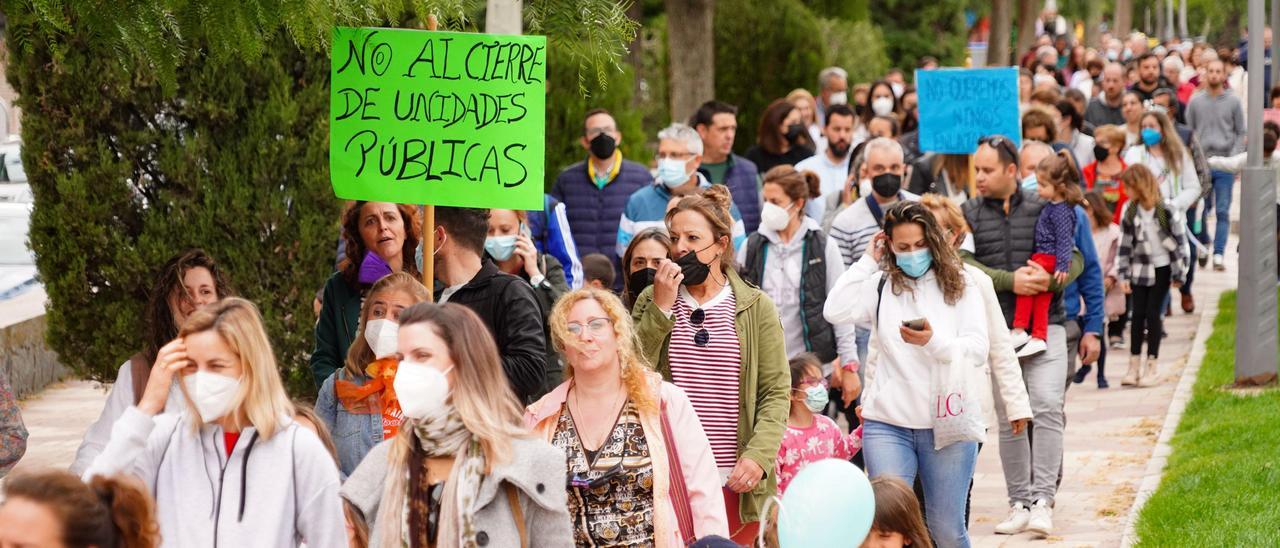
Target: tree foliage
<point x="916" y="28"/>
<point x="856" y="47"/>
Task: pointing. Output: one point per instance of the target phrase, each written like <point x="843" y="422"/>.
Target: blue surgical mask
<point x="1029" y="182"/>
<point x="815" y="398"/>
<point x="1151" y="137"/>
<point x="915" y="263"/>
<point x="500" y="247"/>
<point x="672" y="173"/>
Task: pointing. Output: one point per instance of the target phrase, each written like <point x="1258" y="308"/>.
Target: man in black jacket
<point x="1002" y="220"/>
<point x="504" y="302"/>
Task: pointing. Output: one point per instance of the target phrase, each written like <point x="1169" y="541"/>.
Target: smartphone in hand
<point x="916" y="324"/>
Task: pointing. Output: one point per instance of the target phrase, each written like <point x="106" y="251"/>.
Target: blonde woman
<point x="805" y="103"/>
<point x="233" y="468"/>
<point x="608" y="417"/>
<point x="463" y="471"/>
<point x="357" y="402"/>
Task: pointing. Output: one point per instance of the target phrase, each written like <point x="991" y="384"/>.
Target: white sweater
<point x="902" y="383"/>
<point x="118" y="399"/>
<point x="279" y="491"/>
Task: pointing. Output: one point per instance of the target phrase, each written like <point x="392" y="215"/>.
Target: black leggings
<point x="1148" y="314"/>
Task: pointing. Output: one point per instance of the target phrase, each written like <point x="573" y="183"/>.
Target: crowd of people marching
<point x="661" y="349"/>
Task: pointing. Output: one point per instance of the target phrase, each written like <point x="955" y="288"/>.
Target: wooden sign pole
<point x="429" y="228"/>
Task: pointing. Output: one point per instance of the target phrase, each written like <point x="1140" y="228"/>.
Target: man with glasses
<point x="595" y="190"/>
<point x="679" y="156"/>
<point x="1002" y="221"/>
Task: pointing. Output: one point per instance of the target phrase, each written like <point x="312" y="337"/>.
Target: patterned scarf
<point x="442" y="436"/>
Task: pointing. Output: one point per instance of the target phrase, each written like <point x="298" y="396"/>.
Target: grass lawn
<point x="1222" y="484"/>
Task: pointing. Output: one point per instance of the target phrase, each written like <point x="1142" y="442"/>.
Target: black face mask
<point x="1101" y="153"/>
<point x="794" y="131"/>
<point x="886" y="185"/>
<point x="639" y="280"/>
<point x="695" y="272"/>
<point x="603" y="145"/>
<point x="839" y="149"/>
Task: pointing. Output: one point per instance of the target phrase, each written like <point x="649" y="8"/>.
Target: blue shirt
<point x="1089" y="284"/>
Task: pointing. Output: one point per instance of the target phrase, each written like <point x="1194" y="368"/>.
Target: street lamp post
<point x="1256" y="302"/>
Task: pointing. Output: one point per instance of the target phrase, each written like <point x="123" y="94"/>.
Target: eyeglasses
<point x="593" y="132"/>
<point x="1001" y="144"/>
<point x="811" y="381"/>
<point x="595" y="326"/>
<point x="702" y="337"/>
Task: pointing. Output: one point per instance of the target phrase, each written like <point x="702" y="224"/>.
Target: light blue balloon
<point x="829" y="504"/>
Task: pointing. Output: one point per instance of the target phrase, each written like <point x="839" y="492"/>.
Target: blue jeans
<point x="945" y="475"/>
<point x="1222" y="183"/>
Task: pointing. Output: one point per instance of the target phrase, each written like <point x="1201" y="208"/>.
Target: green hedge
<point x="126" y="174"/>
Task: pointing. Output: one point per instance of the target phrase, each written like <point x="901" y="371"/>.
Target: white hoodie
<point x="279" y="491"/>
<point x="903" y="379"/>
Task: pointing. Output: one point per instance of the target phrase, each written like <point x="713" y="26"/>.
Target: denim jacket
<point x="354" y="434"/>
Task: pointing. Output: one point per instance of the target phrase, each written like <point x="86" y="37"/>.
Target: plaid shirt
<point x="1134" y="262"/>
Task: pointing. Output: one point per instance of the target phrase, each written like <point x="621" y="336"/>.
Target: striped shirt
<point x="710" y="374"/>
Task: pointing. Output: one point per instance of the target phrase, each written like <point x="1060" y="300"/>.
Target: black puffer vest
<point x="819" y="336"/>
<point x="1006" y="242"/>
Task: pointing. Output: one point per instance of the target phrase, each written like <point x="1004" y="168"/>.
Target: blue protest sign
<point x="959" y="106"/>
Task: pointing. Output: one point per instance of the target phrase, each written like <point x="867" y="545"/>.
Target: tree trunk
<point x="635" y="53"/>
<point x="504" y="17"/>
<point x="690" y="55"/>
<point x="1159" y="30"/>
<point x="998" y="45"/>
<point x="1028" y="10"/>
<point x="1123" y="19"/>
<point x="1092" y="20"/>
<point x="1182" y="19"/>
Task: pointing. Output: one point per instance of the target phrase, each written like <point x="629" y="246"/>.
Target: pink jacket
<point x="706" y="499"/>
<point x="1107" y="244"/>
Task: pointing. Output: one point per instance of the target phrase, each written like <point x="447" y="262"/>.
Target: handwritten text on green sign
<point x="438" y="117"/>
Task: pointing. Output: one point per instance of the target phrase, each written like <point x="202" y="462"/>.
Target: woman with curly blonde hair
<point x="640" y="466"/>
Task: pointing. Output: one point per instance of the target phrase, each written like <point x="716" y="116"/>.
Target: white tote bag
<point x="957" y="409"/>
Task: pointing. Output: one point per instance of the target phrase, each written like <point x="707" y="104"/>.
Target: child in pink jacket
<point x="811" y="436"/>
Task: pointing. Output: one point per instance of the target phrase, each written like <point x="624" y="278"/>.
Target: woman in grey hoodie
<point x="463" y="470"/>
<point x="233" y="468"/>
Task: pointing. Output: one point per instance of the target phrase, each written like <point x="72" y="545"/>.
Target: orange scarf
<point x="378" y="395"/>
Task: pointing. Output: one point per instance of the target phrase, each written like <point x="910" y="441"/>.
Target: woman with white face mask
<point x="356" y="402"/>
<point x="796" y="264"/>
<point x="881" y="101"/>
<point x="234" y="468"/>
<point x="463" y="471"/>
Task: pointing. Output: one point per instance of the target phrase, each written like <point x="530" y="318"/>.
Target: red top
<point x="230" y="438"/>
<point x="1112" y="191"/>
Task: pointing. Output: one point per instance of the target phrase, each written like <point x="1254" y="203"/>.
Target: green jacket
<point x="336" y="328"/>
<point x="765" y="378"/>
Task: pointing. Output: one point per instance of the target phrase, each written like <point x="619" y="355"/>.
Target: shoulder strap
<point x="678" y="490"/>
<point x="139" y="371"/>
<point x="879" y="297"/>
<point x="517" y="513"/>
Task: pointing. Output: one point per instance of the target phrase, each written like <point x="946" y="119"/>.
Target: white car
<point x="13" y="177"/>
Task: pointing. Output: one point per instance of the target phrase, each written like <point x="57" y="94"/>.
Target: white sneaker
<point x="1033" y="347"/>
<point x="1019" y="337"/>
<point x="1218" y="263"/>
<point x="1041" y="520"/>
<point x="1016" y="522"/>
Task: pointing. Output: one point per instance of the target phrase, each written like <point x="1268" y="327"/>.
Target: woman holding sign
<point x="913" y="285"/>
<point x="719" y="339"/>
<point x="357" y="402"/>
<point x="380" y="238"/>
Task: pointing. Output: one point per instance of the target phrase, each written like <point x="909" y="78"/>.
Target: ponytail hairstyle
<point x="713" y="204"/>
<point x="797" y="185"/>
<point x="1059" y="171"/>
<point x="107" y="512"/>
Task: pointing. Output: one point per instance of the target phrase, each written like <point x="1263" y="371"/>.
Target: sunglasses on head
<point x="1002" y="145"/>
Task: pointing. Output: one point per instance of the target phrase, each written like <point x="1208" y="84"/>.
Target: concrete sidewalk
<point x="1110" y="436"/>
<point x="56" y="419"/>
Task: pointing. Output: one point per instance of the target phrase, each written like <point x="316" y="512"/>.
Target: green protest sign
<point x="439" y="118"/>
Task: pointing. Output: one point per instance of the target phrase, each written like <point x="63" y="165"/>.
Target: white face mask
<point x="211" y="393"/>
<point x="774" y="217"/>
<point x="382" y="335"/>
<point x="838" y="98"/>
<point x="897" y="88"/>
<point x="421" y="389"/>
<point x="882" y="106"/>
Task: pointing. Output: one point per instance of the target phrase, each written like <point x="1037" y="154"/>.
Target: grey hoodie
<point x="270" y="492"/>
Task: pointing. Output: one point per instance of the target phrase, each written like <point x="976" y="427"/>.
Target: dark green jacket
<point x="765" y="378"/>
<point x="336" y="328"/>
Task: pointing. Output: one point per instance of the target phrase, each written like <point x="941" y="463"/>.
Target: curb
<point x="1181" y="396"/>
